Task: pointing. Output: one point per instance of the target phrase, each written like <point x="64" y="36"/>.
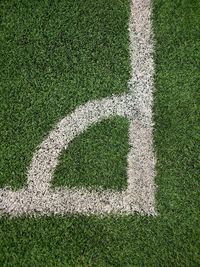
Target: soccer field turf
<point x="57" y="55"/>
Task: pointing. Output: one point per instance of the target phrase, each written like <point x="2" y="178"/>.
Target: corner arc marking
<point x="136" y="105"/>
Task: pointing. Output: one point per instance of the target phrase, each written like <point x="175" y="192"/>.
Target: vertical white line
<point x="141" y="55"/>
<point x="141" y="159"/>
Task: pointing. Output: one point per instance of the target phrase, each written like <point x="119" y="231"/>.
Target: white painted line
<point x="39" y="198"/>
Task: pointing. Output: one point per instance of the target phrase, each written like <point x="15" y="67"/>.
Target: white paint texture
<point x="39" y="198"/>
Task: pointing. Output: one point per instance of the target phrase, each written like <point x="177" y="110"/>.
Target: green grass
<point x="55" y="56"/>
<point x="33" y="98"/>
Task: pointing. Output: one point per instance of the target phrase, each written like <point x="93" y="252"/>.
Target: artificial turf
<point x="56" y="56"/>
<point x="42" y="81"/>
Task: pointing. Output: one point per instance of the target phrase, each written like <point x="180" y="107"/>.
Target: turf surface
<point x="56" y="56"/>
<point x="34" y="97"/>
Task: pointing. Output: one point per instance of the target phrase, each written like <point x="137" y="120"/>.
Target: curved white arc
<point x="45" y="159"/>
